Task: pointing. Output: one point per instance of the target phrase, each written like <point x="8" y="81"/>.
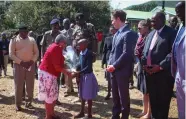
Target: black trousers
<point x="160" y="87"/>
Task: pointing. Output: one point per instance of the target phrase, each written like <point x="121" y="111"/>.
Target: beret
<point x="54" y="21"/>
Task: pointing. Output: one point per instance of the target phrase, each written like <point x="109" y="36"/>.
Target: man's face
<point x="80" y="22"/>
<point x="173" y="22"/>
<point x="115" y="22"/>
<point x="3" y="37"/>
<point x="156" y="22"/>
<point x="55" y="27"/>
<point x="180" y="12"/>
<point x="67" y="25"/>
<point x="23" y="34"/>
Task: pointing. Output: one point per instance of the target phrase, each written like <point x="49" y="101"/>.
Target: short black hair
<point x="119" y="13"/>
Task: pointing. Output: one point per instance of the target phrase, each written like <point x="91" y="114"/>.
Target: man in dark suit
<point x="120" y="64"/>
<point x="178" y="60"/>
<point x="106" y="53"/>
<point x="156" y="61"/>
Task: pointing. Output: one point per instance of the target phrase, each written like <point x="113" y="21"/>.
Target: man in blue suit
<point x="120" y="64"/>
<point x="178" y="61"/>
<point x="156" y="60"/>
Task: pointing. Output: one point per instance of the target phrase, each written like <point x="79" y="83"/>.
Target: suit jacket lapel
<point x="113" y="42"/>
<point x="159" y="37"/>
<point x="149" y="41"/>
<point x="182" y="37"/>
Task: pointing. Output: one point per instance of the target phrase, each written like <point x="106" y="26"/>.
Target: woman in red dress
<point x="50" y="68"/>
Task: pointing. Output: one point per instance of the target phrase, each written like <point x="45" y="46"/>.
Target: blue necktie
<point x="178" y="38"/>
<point x="115" y="37"/>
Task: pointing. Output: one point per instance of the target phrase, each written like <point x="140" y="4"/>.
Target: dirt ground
<point x="69" y="107"/>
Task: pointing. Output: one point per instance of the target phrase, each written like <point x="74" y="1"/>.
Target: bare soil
<point x="69" y="107"/>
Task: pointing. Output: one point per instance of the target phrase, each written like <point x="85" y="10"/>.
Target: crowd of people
<point x="156" y="55"/>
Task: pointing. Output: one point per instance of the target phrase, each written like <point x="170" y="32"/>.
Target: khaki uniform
<point x="48" y="39"/>
<point x="88" y="32"/>
<point x="69" y="34"/>
<point x="23" y="50"/>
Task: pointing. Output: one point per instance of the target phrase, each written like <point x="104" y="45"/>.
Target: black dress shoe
<point x="18" y="108"/>
<point x="72" y="91"/>
<point x="80" y="115"/>
<point x="29" y="105"/>
<point x="115" y="117"/>
<point x="58" y="103"/>
<point x="107" y="97"/>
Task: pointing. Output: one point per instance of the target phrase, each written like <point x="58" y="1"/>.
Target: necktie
<point x="115" y="37"/>
<point x="151" y="47"/>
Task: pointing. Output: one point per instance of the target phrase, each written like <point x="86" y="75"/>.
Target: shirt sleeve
<point x="12" y="50"/>
<point x="43" y="45"/>
<point x="35" y="51"/>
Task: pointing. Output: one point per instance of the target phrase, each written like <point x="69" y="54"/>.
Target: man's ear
<point x="118" y="19"/>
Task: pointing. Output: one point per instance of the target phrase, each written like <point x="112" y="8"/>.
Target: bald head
<point x="158" y="20"/>
<point x="161" y="16"/>
<point x="66" y="23"/>
<point x="180" y="11"/>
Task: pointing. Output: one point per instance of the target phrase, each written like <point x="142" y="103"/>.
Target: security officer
<point x="82" y="29"/>
<point x="49" y="36"/>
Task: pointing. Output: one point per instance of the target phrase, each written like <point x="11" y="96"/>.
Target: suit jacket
<point x="179" y="67"/>
<point x="161" y="52"/>
<point x="107" y="49"/>
<point x="122" y="54"/>
<point x="1" y="57"/>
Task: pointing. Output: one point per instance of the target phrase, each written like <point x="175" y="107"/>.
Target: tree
<point x="37" y="14"/>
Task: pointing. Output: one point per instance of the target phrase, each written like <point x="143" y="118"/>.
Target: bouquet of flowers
<point x="71" y="58"/>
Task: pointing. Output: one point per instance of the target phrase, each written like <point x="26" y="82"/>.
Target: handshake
<point x="26" y="65"/>
<point x="73" y="74"/>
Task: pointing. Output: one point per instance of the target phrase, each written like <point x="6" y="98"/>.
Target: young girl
<point x="88" y="86"/>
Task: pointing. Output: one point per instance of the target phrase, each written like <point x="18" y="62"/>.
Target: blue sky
<point x="119" y="4"/>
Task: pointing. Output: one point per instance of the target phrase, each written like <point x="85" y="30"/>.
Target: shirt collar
<point x="84" y="52"/>
<point x="121" y="28"/>
<point x="160" y="30"/>
<point x="52" y="32"/>
<point x="22" y="38"/>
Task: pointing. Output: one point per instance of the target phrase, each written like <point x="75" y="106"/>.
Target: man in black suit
<point x="156" y="61"/>
<point x="106" y="53"/>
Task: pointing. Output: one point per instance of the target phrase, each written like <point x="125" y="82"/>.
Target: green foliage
<point x="38" y="14"/>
